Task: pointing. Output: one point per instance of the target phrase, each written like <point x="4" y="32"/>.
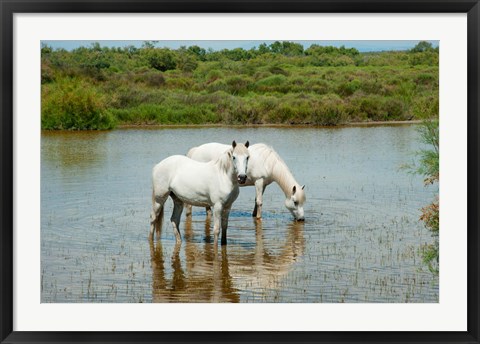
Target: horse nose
<point x="242" y="178"/>
<point x="300" y="219"/>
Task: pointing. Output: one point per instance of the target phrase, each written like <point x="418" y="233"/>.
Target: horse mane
<point x="277" y="167"/>
<point x="224" y="161"/>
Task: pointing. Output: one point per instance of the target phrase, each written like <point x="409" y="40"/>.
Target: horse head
<point x="295" y="202"/>
<point x="240" y="158"/>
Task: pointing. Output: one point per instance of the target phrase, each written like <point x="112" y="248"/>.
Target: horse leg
<point x="188" y="210"/>
<point x="175" y="219"/>
<point x="217" y="216"/>
<point x="156" y="216"/>
<point x="225" y="214"/>
<point x="259" y="190"/>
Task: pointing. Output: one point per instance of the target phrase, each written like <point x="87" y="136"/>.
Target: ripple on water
<point x="360" y="241"/>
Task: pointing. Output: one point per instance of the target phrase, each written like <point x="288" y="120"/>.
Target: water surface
<point x="360" y="242"/>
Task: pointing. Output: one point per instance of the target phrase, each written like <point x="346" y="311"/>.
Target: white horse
<point x="204" y="184"/>
<point x="264" y="167"/>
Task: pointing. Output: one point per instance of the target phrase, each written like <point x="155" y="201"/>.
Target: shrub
<point x="369" y="107"/>
<point x="160" y="59"/>
<point x="329" y="110"/>
<point x="237" y="84"/>
<point x="217" y="85"/>
<point x="242" y="112"/>
<point x="424" y="79"/>
<point x="349" y="88"/>
<point x="318" y="85"/>
<point x="278" y="70"/>
<point x="394" y="108"/>
<point x="213" y="75"/>
<point x="323" y="85"/>
<point x="187" y="62"/>
<point x="428" y="166"/>
<point x="47" y="73"/>
<point x="425" y="106"/>
<point x="274" y="83"/>
<point x="154" y="79"/>
<point x="75" y="105"/>
<point x="183" y="83"/>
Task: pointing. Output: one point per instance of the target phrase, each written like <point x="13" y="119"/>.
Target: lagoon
<point x="361" y="240"/>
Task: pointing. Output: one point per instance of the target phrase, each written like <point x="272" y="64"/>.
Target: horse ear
<point x="234" y="144"/>
<point x="303" y="187"/>
<point x="294" y="190"/>
<point x="229" y="154"/>
<point x="247" y="144"/>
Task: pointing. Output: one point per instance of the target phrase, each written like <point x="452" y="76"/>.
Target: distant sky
<point x="363" y="46"/>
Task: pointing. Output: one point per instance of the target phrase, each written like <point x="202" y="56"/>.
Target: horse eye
<point x="296" y="203"/>
<point x="233" y="158"/>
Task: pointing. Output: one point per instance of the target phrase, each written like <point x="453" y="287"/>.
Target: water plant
<point x="428" y="166"/>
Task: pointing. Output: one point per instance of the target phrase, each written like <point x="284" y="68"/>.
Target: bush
<point x="424" y="107"/>
<point x="428" y="166"/>
<point x="394" y="109"/>
<point x="214" y="75"/>
<point x="183" y="83"/>
<point x="75" y="105"/>
<point x="273" y="83"/>
<point x="47" y="73"/>
<point x="277" y="83"/>
<point x="160" y="59"/>
<point x="349" y="88"/>
<point x="368" y="107"/>
<point x="424" y="79"/>
<point x="154" y="79"/>
<point x="237" y="84"/>
<point x="278" y="70"/>
<point x="172" y="113"/>
<point x="329" y="111"/>
<point x="187" y="62"/>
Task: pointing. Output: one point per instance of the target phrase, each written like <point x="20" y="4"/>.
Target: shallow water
<point x="360" y="242"/>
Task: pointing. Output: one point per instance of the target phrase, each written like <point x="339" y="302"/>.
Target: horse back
<point x="208" y="151"/>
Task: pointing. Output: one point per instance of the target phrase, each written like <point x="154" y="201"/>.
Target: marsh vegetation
<point x="281" y="83"/>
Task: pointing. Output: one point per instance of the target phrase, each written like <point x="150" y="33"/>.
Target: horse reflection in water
<point x="212" y="274"/>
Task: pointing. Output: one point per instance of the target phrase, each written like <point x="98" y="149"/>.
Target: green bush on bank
<point x="75" y="105"/>
<point x="96" y="88"/>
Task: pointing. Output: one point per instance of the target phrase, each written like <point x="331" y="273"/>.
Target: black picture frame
<point x="10" y="7"/>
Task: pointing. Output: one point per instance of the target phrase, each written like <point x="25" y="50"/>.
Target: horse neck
<point x="283" y="177"/>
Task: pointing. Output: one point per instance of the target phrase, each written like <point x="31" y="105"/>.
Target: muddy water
<point x="360" y="241"/>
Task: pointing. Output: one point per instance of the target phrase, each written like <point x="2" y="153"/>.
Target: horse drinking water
<point x="204" y="184"/>
<point x="264" y="167"/>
